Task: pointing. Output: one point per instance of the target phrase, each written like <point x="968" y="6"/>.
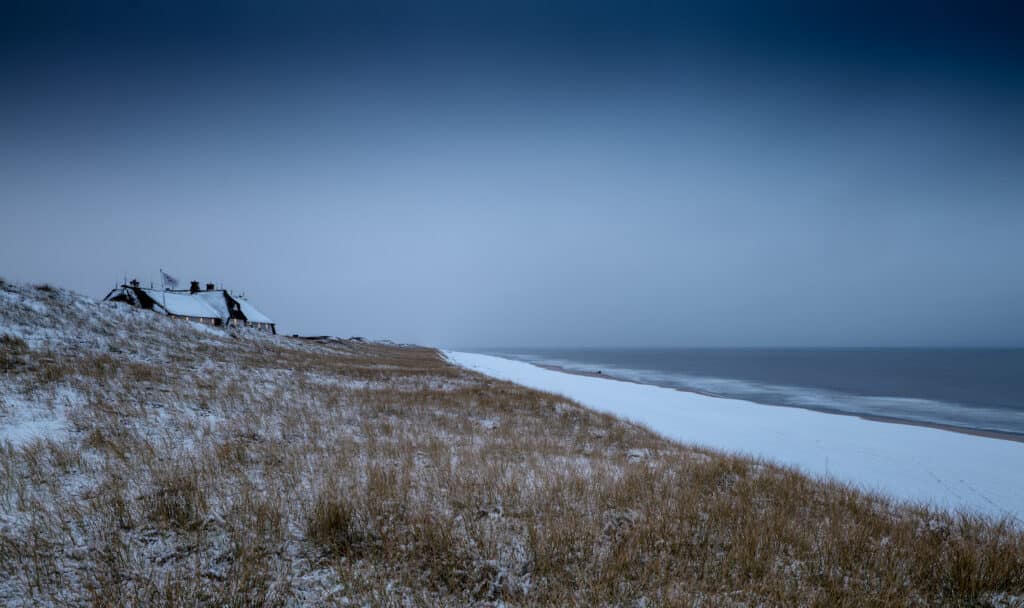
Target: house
<point x="210" y="306"/>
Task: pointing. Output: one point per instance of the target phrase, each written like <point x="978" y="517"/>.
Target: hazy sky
<point x="531" y="173"/>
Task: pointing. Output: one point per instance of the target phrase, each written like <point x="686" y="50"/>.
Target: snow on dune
<point x="24" y="431"/>
<point x="940" y="468"/>
<point x="23" y="421"/>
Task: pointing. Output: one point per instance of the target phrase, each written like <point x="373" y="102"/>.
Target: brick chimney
<point x="194" y="288"/>
<point x="209" y="287"/>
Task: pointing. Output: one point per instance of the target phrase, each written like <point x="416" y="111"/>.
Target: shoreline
<point x="990" y="434"/>
<point x="905" y="462"/>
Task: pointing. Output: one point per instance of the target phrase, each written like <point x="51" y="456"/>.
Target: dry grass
<point x="12" y="352"/>
<point x="256" y="471"/>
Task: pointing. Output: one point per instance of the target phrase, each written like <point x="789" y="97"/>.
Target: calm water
<point x="971" y="388"/>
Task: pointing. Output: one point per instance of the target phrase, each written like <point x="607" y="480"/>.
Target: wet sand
<point x="932" y="425"/>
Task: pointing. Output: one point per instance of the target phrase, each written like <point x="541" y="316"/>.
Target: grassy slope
<point x="243" y="469"/>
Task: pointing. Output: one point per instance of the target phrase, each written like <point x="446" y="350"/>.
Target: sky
<point x="525" y="174"/>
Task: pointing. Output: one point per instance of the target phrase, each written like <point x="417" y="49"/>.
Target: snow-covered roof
<point x="251" y="313"/>
<point x="217" y="301"/>
<point x="214" y="304"/>
<point x="182" y="304"/>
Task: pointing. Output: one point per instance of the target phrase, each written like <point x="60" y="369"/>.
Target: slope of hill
<point x="152" y="462"/>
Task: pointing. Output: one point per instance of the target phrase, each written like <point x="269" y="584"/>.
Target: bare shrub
<point x="12" y="352"/>
<point x="178" y="499"/>
<point x="112" y="505"/>
<point x="331" y="523"/>
<point x="51" y="368"/>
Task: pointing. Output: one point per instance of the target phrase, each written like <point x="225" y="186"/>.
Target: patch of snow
<point x="25" y="420"/>
<point x="18" y="299"/>
<point x="940" y="468"/>
<point x="638" y="454"/>
<point x="24" y="431"/>
<point x="12" y="330"/>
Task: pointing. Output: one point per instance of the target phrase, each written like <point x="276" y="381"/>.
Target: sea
<point x="978" y="389"/>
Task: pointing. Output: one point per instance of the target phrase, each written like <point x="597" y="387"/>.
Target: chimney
<point x="209" y="287"/>
<point x="134" y="283"/>
<point x="194" y="288"/>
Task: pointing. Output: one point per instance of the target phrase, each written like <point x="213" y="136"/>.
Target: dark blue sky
<point x="585" y="173"/>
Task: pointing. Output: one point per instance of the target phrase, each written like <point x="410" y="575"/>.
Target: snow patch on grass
<point x="23" y="431"/>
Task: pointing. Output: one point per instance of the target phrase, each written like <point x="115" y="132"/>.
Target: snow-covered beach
<point x="926" y="465"/>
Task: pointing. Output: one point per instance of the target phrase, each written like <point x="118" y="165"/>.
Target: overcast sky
<point x="531" y="174"/>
